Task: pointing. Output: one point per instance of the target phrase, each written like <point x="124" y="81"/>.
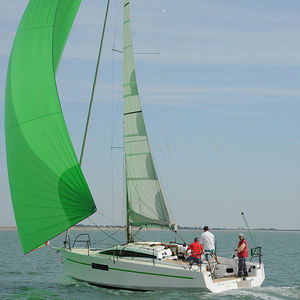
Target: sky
<point x="221" y="102"/>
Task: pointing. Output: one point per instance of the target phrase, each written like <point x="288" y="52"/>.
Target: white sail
<point x="145" y="201"/>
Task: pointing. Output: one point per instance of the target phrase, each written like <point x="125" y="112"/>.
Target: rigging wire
<point x="250" y="233"/>
<point x="94" y="85"/>
<point x="92" y="97"/>
<point x="115" y="107"/>
<point x="108" y="236"/>
<point x="99" y="227"/>
<point x="176" y="232"/>
<point x="103" y="215"/>
<point x="112" y="122"/>
<point x="112" y="138"/>
<point x="137" y="237"/>
<point x="112" y="186"/>
<point x="165" y="130"/>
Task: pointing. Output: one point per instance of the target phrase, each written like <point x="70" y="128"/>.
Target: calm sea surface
<point x="38" y="275"/>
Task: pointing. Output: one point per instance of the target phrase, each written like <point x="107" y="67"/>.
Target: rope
<point x="103" y="215"/>
<point x="251" y="236"/>
<point x="140" y="239"/>
<point x="109" y="236"/>
<point x="176" y="232"/>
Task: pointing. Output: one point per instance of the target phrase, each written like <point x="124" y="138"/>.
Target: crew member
<point x="208" y="241"/>
<point x="242" y="253"/>
<point x="196" y="251"/>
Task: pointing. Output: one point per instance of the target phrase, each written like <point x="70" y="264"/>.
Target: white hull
<point x="145" y="274"/>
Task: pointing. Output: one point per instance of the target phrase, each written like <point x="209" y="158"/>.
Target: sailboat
<point x="49" y="191"/>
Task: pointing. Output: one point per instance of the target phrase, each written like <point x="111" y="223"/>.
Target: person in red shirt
<point x="242" y="253"/>
<point x="196" y="251"/>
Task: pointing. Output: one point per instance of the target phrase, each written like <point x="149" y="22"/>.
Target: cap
<point x="241" y="234"/>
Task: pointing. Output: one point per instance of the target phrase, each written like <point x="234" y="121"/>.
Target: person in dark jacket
<point x="242" y="253"/>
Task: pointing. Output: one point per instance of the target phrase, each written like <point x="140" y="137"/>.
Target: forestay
<point x="48" y="189"/>
<point x="145" y="201"/>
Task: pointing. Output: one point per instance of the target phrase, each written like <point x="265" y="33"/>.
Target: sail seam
<point x="34" y="28"/>
<point x="137" y="154"/>
<point x="141" y="178"/>
<point x="127" y="47"/>
<point x="129" y="83"/>
<point x="129" y="95"/>
<point x="128" y="142"/>
<point x="138" y="194"/>
<point x="34" y="119"/>
<point x="132" y="112"/>
<point x="133" y="135"/>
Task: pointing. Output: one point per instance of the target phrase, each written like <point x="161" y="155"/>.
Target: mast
<point x="128" y="225"/>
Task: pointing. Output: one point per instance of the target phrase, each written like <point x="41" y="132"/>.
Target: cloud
<point x="214" y="33"/>
<point x="187" y="95"/>
<point x="240" y="33"/>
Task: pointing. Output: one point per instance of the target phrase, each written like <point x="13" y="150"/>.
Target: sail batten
<point x="48" y="189"/>
<point x="145" y="200"/>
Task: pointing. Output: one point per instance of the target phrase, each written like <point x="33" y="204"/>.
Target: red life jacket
<point x="243" y="253"/>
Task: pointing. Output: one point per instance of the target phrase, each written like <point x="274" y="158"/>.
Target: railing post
<point x="153" y="256"/>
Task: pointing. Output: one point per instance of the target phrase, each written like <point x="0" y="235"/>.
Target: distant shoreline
<point x="181" y="229"/>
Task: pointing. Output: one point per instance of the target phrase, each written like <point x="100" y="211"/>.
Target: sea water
<point x="38" y="275"/>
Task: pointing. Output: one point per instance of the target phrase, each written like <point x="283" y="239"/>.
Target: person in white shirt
<point x="208" y="241"/>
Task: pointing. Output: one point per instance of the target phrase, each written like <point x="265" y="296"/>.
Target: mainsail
<point x="145" y="201"/>
<point x="48" y="189"/>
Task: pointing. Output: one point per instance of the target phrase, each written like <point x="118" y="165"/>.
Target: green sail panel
<point x="48" y="190"/>
<point x="145" y="201"/>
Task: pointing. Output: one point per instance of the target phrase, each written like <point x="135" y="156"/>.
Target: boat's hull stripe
<point x="139" y="272"/>
<point x="155" y="274"/>
<point x="79" y="262"/>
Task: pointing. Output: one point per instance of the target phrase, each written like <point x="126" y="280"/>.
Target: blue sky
<point x="221" y="104"/>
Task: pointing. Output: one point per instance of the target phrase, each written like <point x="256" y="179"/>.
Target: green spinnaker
<point x="48" y="190"/>
<point x="145" y="201"/>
